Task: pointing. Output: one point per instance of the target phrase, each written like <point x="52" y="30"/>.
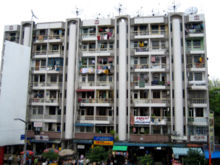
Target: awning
<point x="84" y="125"/>
<point x="120" y="148"/>
<point x="214" y="155"/>
<point x="177" y="151"/>
<point x="84" y="90"/>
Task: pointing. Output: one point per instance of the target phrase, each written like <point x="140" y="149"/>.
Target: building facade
<point x="142" y="79"/>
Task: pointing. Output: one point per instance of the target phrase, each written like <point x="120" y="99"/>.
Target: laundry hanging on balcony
<point x="141" y="44"/>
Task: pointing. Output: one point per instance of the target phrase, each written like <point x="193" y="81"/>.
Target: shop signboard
<point x="103" y="143"/>
<point x="142" y="120"/>
<point x="103" y="138"/>
<point x="198" y="138"/>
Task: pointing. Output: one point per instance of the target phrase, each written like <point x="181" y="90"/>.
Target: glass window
<point x="53" y="78"/>
<point x="143" y="60"/>
<point x="102" y="77"/>
<point x="155" y="44"/>
<point x="198" y="76"/>
<point x="83" y="78"/>
<point x="196" y="43"/>
<point x="199" y="112"/>
<point x="143" y="94"/>
<point x="90" y="111"/>
<point x="91" y="77"/>
<point x="156" y="94"/>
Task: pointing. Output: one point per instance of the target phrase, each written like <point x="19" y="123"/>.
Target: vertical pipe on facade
<point x="122" y="80"/>
<point x="70" y="81"/>
<point x="129" y="79"/>
<point x="178" y="83"/>
<point x="185" y="77"/>
<point x="171" y="75"/>
<point x="27" y="37"/>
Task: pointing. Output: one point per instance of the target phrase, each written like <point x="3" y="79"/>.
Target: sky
<point x="16" y="11"/>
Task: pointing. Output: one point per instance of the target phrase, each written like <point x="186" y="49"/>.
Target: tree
<point x="97" y="154"/>
<point x="194" y="157"/>
<point x="214" y="103"/>
<point x="50" y="155"/>
<point x="145" y="160"/>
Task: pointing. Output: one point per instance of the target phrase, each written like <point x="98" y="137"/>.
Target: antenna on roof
<point x="33" y="15"/>
<point x="98" y="15"/>
<point x="191" y="10"/>
<point x="174" y="6"/>
<point x="139" y="12"/>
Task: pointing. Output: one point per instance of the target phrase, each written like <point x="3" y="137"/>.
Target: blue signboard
<point x="22" y="137"/>
<point x="103" y="138"/>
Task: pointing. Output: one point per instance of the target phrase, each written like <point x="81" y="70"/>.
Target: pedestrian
<point x="10" y="159"/>
<point x="18" y="160"/>
<point x="36" y="161"/>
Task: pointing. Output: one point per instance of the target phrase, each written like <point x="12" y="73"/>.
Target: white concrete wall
<point x="14" y="90"/>
<point x="122" y="81"/>
<point x="27" y="36"/>
<point x="178" y="83"/>
<point x="70" y="81"/>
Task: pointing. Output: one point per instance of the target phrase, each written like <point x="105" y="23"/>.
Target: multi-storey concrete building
<point x="143" y="77"/>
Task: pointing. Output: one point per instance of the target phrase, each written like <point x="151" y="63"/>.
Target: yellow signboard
<point x="103" y="143"/>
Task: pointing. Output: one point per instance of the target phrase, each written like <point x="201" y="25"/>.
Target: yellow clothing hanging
<point x="141" y="44"/>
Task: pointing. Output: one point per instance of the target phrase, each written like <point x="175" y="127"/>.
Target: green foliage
<point x="50" y="155"/>
<point x="194" y="157"/>
<point x="97" y="154"/>
<point x="145" y="160"/>
<point x="214" y="102"/>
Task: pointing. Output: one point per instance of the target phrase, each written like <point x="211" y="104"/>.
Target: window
<point x="53" y="78"/>
<point x="156" y="94"/>
<point x="90" y="111"/>
<point x="143" y="60"/>
<point x="110" y="78"/>
<point x="83" y="78"/>
<point x="52" y="110"/>
<point x="155" y="44"/>
<point x="102" y="77"/>
<point x="135" y="60"/>
<point x="190" y="76"/>
<point x="143" y="94"/>
<point x="91" y="77"/>
<point x="199" y="112"/>
<point x="40" y="111"/>
<point x="198" y="76"/>
<point x="135" y="95"/>
<point x="196" y="43"/>
<point x="91" y="61"/>
<point x="154" y="29"/>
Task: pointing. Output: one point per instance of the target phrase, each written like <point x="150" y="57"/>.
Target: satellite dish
<point x="191" y="10"/>
<point x="33" y="15"/>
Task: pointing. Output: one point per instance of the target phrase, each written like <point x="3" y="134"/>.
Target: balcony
<point x="48" y="69"/>
<point x="151" y="102"/>
<point x="95" y="119"/>
<point x="55" y="38"/>
<point x="89" y="37"/>
<point x="98" y="85"/>
<point x="48" y="85"/>
<point x="193" y="33"/>
<point x="149" y="34"/>
<point x="199" y="121"/>
<point x="45" y="118"/>
<point x="50" y="134"/>
<point x="45" y="101"/>
<point x="198" y="102"/>
<point x="99" y="102"/>
<point x="88" y="135"/>
<point x="155" y="84"/>
<point x="197" y="85"/>
<point x="149" y="51"/>
<point x="196" y="67"/>
<point x="55" y="53"/>
<point x="97" y="52"/>
<point x="195" y="50"/>
<point x="150" y="138"/>
<point x="41" y="39"/>
<point x="40" y="53"/>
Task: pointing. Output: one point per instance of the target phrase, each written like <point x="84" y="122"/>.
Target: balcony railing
<point x="197" y="120"/>
<point x="149" y="49"/>
<point x="196" y="65"/>
<point x="40" y="52"/>
<point x="55" y="51"/>
<point x="48" y="68"/>
<point x="54" y="36"/>
<point x="98" y="118"/>
<point x="197" y="101"/>
<point x="147" y="32"/>
<point x="154" y="101"/>
<point x="95" y="100"/>
<point x="45" y="100"/>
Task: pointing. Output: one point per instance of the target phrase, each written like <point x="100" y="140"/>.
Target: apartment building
<point x="143" y="79"/>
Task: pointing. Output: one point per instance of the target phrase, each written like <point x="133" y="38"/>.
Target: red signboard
<point x="1" y="155"/>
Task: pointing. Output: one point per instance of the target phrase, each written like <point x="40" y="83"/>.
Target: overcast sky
<point x="15" y="11"/>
